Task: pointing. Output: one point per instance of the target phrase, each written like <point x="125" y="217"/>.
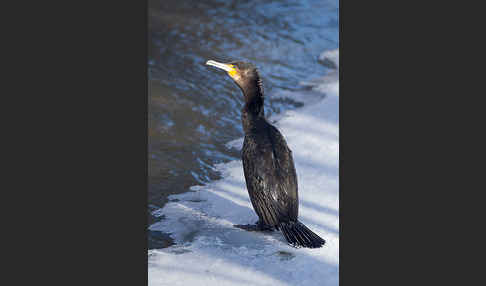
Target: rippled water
<point x="194" y="110"/>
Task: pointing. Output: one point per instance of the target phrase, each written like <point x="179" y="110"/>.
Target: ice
<point x="330" y="58"/>
<point x="210" y="251"/>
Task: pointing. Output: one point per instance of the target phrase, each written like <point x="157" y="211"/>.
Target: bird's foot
<point x="254" y="227"/>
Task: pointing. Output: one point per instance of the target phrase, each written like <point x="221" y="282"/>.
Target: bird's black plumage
<point x="268" y="164"/>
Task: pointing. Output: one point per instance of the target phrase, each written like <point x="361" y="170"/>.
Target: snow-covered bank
<point x="210" y="251"/>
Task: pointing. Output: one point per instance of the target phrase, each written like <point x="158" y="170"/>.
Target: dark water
<point x="194" y="110"/>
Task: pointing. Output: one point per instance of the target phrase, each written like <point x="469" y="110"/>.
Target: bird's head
<point x="244" y="74"/>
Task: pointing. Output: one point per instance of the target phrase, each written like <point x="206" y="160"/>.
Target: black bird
<point x="268" y="165"/>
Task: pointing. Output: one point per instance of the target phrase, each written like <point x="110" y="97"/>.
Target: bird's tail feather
<point x="298" y="235"/>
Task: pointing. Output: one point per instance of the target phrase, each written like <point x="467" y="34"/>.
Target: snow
<point x="210" y="251"/>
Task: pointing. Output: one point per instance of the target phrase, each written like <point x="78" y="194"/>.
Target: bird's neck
<point x="253" y="113"/>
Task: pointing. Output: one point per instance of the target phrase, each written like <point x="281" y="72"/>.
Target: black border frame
<point x="71" y="150"/>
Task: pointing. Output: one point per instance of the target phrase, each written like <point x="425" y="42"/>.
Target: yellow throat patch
<point x="233" y="71"/>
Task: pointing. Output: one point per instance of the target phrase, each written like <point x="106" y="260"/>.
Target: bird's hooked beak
<point x="229" y="68"/>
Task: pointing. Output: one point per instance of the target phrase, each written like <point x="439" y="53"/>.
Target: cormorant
<point x="268" y="165"/>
